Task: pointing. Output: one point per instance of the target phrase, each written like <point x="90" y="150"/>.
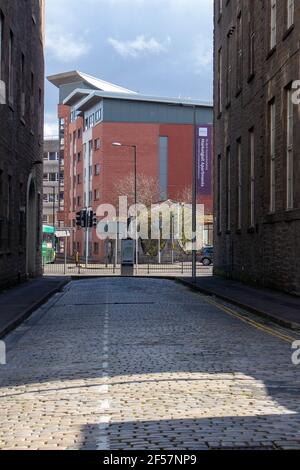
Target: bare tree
<point x="186" y="196"/>
<point x="147" y="189"/>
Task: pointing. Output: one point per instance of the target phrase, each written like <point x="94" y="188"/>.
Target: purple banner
<point x="204" y="159"/>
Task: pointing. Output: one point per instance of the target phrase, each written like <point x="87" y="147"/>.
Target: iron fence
<point x="179" y="269"/>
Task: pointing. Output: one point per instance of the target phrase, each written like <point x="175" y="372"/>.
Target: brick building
<point x="93" y="115"/>
<point x="257" y="146"/>
<point x="21" y="138"/>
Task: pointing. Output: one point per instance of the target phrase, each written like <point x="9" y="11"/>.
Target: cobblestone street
<point x="146" y="364"/>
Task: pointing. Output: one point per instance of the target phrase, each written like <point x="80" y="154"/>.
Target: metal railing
<point x="179" y="269"/>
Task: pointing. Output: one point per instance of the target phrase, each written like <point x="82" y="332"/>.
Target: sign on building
<point x="204" y="159"/>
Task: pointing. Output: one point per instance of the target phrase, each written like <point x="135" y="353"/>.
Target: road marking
<point x="253" y="323"/>
<point x="104" y="422"/>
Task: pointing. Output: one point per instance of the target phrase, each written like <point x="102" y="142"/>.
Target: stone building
<point x="257" y="146"/>
<point x="21" y="138"/>
<point x="52" y="176"/>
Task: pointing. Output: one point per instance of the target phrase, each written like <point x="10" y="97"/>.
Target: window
<point x="240" y="187"/>
<point x="220" y="7"/>
<point x="208" y="235"/>
<point x="79" y="134"/>
<point x="79" y="179"/>
<point x="1" y="41"/>
<point x="252" y="178"/>
<point x="97" y="169"/>
<point x="10" y="68"/>
<point x="272" y="126"/>
<point x="9" y="213"/>
<point x="251" y="40"/>
<point x="220" y="78"/>
<point x="290" y="150"/>
<point x="290" y="13"/>
<point x="32" y="120"/>
<point x="52" y="197"/>
<point x="78" y="201"/>
<point x="97" y="144"/>
<point x="79" y="157"/>
<point x="1" y="210"/>
<point x="96" y="248"/>
<point x="90" y="147"/>
<point x="239" y="52"/>
<point x="22" y="103"/>
<point x="96" y="194"/>
<point x="219" y="195"/>
<point x="91" y="121"/>
<point x="273" y="28"/>
<point x="52" y="156"/>
<point x="228" y="68"/>
<point x="53" y="177"/>
<point x="98" y="115"/>
<point x="228" y="189"/>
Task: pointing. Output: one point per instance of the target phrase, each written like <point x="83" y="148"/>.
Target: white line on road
<point x="103" y="440"/>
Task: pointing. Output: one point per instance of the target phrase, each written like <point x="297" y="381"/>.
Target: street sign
<point x="63" y="233"/>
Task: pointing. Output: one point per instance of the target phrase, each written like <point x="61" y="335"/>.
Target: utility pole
<point x="86" y="237"/>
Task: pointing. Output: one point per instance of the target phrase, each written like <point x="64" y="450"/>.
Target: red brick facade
<point x="117" y="162"/>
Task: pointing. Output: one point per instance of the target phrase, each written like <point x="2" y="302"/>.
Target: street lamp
<point x="134" y="147"/>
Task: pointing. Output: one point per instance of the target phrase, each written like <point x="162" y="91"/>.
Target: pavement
<point x="279" y="307"/>
<point x="17" y="303"/>
<point x="135" y="363"/>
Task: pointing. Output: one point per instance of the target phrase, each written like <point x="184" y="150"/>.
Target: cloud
<point x="51" y="125"/>
<point x="64" y="46"/>
<point x="202" y="55"/>
<point x="139" y="46"/>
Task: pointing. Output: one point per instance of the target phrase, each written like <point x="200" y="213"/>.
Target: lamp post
<point x="134" y="147"/>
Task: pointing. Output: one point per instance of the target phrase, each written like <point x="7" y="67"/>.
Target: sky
<point x="155" y="47"/>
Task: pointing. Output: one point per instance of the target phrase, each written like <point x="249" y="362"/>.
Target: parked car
<point x="206" y="255"/>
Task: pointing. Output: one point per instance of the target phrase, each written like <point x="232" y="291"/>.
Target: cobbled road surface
<point x="146" y="364"/>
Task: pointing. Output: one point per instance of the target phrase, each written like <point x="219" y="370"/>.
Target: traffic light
<point x="92" y="219"/>
<point x="95" y="221"/>
<point x="78" y="219"/>
<point x="81" y="218"/>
